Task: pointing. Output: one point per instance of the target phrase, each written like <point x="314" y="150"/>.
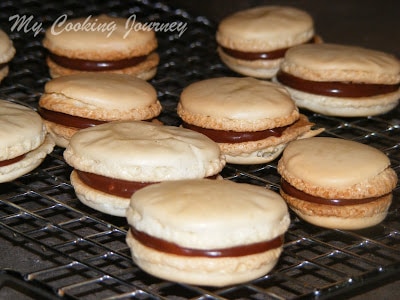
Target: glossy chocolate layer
<point x="292" y="191"/>
<point x="275" y="54"/>
<point x="113" y="186"/>
<point x="7" y="162"/>
<point x="222" y="136"/>
<point x="165" y="246"/>
<point x="91" y="65"/>
<point x="255" y="55"/>
<point x="67" y="120"/>
<point x="336" y="88"/>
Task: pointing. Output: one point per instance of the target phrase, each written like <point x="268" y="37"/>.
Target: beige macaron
<point x="252" y="120"/>
<point x="253" y="42"/>
<point x="113" y="160"/>
<point x="7" y="52"/>
<point x="206" y="232"/>
<point x="101" y="44"/>
<point x="341" y="80"/>
<point x="337" y="183"/>
<point x="73" y="102"/>
<point x="24" y="140"/>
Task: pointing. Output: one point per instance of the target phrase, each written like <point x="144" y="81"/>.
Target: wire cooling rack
<point x="54" y="247"/>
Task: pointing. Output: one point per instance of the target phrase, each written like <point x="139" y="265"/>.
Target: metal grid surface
<point x="78" y="253"/>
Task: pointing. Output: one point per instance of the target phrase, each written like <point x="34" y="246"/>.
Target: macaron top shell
<point x="104" y="94"/>
<point x="332" y="162"/>
<point x="237" y="103"/>
<point x="265" y="28"/>
<point x="142" y="151"/>
<point x="7" y="50"/>
<point x="108" y="38"/>
<point x="333" y="62"/>
<point x="208" y="214"/>
<point x="22" y="130"/>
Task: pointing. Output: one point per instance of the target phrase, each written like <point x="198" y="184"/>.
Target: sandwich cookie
<point x="341" y="80"/>
<point x="24" y="140"/>
<point x="73" y="102"/>
<point x="336" y="183"/>
<point x="7" y="52"/>
<point x="110" y="45"/>
<point x="252" y="120"/>
<point x="206" y="232"/>
<point x="113" y="160"/>
<point x="253" y="42"/>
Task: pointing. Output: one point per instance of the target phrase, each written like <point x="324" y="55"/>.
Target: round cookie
<point x="252" y="120"/>
<point x="7" y="52"/>
<point x="253" y="42"/>
<point x="24" y="140"/>
<point x="113" y="160"/>
<point x="101" y="44"/>
<point x="73" y="102"/>
<point x="206" y="232"/>
<point x="341" y="80"/>
<point x="336" y="183"/>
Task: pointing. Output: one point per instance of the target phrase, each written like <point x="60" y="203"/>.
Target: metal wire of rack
<point x="66" y="250"/>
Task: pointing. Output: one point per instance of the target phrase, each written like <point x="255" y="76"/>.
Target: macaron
<point x="252" y="42"/>
<point x="336" y="183"/>
<point x="101" y="44"/>
<point x="24" y="140"/>
<point x="7" y="52"/>
<point x="252" y="120"/>
<point x="341" y="80"/>
<point x="112" y="161"/>
<point x="206" y="232"/>
<point x="73" y="102"/>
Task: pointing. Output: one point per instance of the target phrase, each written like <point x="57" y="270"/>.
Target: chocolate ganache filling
<point x="113" y="186"/>
<point x="68" y="120"/>
<point x="92" y="65"/>
<point x="224" y="136"/>
<point x="275" y="54"/>
<point x="254" y="55"/>
<point x="290" y="190"/>
<point x="336" y="88"/>
<point x="168" y="247"/>
<point x="7" y="162"/>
